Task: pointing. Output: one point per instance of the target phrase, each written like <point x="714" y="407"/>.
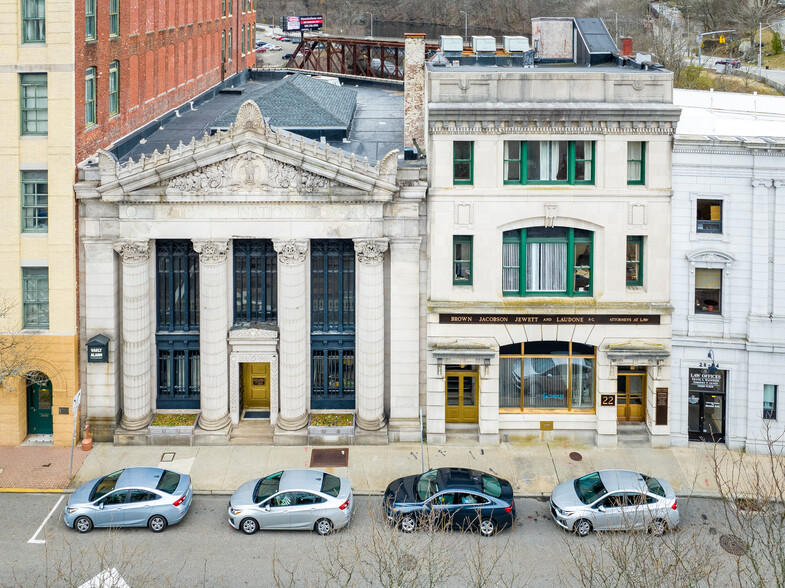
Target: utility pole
<point x="465" y="24"/>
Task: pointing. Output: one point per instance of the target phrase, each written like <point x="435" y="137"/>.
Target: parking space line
<point x="51" y="512"/>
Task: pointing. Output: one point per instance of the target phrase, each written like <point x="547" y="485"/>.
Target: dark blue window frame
<point x="178" y="371"/>
<point x="332" y="324"/>
<point x="255" y="281"/>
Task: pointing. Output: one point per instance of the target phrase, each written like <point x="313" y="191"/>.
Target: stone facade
<point x="728" y="215"/>
<point x="474" y="322"/>
<point x="251" y="183"/>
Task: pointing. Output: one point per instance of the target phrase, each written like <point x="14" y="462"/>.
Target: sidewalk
<point x="533" y="468"/>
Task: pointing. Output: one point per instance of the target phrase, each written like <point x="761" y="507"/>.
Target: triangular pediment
<point x="246" y="162"/>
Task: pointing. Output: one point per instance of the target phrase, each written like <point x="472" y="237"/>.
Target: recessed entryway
<point x="461" y="394"/>
<point x="256" y="387"/>
<point x="631" y="394"/>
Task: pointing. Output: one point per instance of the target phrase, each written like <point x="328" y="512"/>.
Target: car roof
<point x="615" y="480"/>
<point x="139" y="477"/>
<point x="456" y="478"/>
<point x="301" y="480"/>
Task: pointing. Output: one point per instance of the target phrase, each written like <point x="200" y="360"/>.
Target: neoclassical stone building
<point x="252" y="273"/>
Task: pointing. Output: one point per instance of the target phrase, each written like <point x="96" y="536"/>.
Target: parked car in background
<point x="132" y="497"/>
<point x="286" y="56"/>
<point x="292" y="499"/>
<point x="734" y="63"/>
<point x="271" y="47"/>
<point x="615" y="500"/>
<point x="451" y="497"/>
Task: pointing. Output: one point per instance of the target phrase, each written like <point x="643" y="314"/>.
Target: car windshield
<point x="168" y="482"/>
<point x="426" y="485"/>
<point x="654" y="485"/>
<point x="331" y="485"/>
<point x="267" y="487"/>
<point x="589" y="488"/>
<point x="491" y="485"/>
<point x="105" y="485"/>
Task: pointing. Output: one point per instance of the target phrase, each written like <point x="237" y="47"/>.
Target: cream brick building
<point x="37" y="225"/>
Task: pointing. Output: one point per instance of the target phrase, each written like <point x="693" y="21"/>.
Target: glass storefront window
<point x="556" y="375"/>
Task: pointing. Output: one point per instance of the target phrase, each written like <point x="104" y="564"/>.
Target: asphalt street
<point x="204" y="550"/>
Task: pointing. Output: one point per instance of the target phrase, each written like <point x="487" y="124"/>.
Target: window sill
<point x="32" y="233"/>
<point x="635" y="288"/>
<point x="36" y="330"/>
<point x="546" y="411"/>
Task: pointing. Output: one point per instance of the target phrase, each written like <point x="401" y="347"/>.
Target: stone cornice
<point x="546" y="305"/>
<point x="249" y="133"/>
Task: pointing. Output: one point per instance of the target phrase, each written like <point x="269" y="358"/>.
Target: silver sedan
<point x="292" y="499"/>
<point x="132" y="497"/>
<point x="615" y="500"/>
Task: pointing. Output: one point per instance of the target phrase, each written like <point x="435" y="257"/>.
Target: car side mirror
<point x="267" y="507"/>
<point x="601" y="508"/>
<point x="101" y="506"/>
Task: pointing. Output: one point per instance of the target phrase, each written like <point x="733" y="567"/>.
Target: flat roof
<point x="729" y="114"/>
<point x="569" y="67"/>
<point x="376" y="127"/>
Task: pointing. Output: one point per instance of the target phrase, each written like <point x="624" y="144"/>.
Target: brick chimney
<point x="626" y="46"/>
<point x="414" y="90"/>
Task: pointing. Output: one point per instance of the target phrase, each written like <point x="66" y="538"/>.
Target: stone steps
<point x="252" y="432"/>
<point x="633" y="435"/>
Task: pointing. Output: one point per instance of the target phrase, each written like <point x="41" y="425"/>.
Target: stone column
<point x="778" y="259"/>
<point x="369" y="340"/>
<point x="405" y="338"/>
<point x="138" y="338"/>
<point x="213" y="346"/>
<point x="759" y="294"/>
<point x="292" y="325"/>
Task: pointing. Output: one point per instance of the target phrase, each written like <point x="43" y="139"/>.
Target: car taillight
<point x="180" y="500"/>
<point x="675" y="504"/>
<point x="344" y="505"/>
<point x="509" y="509"/>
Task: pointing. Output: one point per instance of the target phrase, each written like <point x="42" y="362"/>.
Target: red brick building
<point x="141" y="58"/>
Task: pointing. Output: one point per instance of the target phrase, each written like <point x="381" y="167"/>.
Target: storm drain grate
<point x="167" y="456"/>
<point x="330" y="458"/>
<point x="575" y="456"/>
<point x="732" y="545"/>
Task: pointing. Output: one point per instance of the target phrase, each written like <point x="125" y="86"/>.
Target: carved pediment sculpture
<point x="249" y="172"/>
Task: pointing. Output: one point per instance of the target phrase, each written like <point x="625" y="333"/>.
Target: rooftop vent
<point x="515" y="44"/>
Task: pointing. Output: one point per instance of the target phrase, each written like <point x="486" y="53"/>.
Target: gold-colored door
<point x="631" y="397"/>
<point x="461" y="397"/>
<point x="256" y="385"/>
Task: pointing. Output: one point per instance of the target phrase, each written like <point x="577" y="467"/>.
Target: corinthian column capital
<point x="133" y="251"/>
<point x="290" y="252"/>
<point x="370" y="251"/>
<point x="211" y="251"/>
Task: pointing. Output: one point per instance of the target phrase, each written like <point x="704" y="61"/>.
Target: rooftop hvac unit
<point x="452" y="43"/>
<point x="483" y="44"/>
<point x="515" y="44"/>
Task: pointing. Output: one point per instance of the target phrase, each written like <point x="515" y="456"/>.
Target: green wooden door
<point x="39" y="408"/>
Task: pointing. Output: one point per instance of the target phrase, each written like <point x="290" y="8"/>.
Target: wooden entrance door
<point x="39" y="407"/>
<point x="631" y="397"/>
<point x="256" y="385"/>
<point x="461" y="397"/>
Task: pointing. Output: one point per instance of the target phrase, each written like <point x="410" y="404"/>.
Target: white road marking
<point x="51" y="512"/>
<point x="106" y="579"/>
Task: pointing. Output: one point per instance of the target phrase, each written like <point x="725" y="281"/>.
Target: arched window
<point x="547" y="261"/>
<point x="556" y="375"/>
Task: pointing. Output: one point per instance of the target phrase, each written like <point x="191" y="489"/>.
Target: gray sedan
<point x="615" y="500"/>
<point x="292" y="499"/>
<point x="133" y="497"/>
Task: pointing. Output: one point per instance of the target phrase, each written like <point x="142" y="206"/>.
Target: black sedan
<point x="451" y="497"/>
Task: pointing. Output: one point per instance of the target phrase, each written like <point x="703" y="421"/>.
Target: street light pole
<point x="465" y="24"/>
<point x="371" y="15"/>
<point x="616" y="30"/>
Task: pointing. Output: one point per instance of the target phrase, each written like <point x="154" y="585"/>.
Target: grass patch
<point x="163" y="419"/>
<point x="332" y="419"/>
<point x="695" y="78"/>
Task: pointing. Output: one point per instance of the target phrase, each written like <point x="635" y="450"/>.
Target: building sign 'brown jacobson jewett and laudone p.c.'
<point x="555" y="319"/>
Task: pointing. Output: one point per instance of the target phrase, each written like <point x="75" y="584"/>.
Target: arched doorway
<point x="39" y="404"/>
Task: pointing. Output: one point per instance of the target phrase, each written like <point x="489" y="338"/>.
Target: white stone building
<point x="728" y="270"/>
<point x="549" y="210"/>
<point x="253" y="273"/>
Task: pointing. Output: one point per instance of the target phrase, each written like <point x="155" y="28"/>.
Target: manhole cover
<point x="407" y="562"/>
<point x="167" y="456"/>
<point x="575" y="456"/>
<point x="330" y="458"/>
<point x="732" y="545"/>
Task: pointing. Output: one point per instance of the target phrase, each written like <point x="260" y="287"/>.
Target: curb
<point x="37" y="490"/>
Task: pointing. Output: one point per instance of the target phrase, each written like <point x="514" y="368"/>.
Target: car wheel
<point x="658" y="528"/>
<point x="157" y="523"/>
<point x="582" y="527"/>
<point x="407" y="524"/>
<point x="249" y="526"/>
<point x="487" y="527"/>
<point x="323" y="527"/>
<point x="83" y="525"/>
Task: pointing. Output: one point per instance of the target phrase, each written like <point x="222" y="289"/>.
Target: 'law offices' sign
<point x="547" y="319"/>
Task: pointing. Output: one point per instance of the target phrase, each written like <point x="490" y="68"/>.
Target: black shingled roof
<point x="300" y="102"/>
<point x="596" y="36"/>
